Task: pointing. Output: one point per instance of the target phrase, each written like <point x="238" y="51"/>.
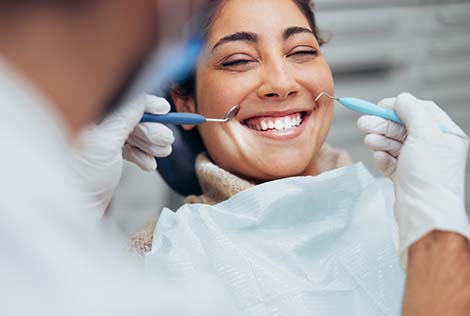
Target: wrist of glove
<point x="100" y="150"/>
<point x="426" y="162"/>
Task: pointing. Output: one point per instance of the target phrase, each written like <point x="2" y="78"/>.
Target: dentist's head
<point x="83" y="55"/>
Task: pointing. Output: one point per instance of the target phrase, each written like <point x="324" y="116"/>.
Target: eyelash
<point x="240" y="62"/>
<point x="236" y="62"/>
<point x="312" y="52"/>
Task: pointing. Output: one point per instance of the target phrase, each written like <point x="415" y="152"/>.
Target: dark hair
<point x="178" y="170"/>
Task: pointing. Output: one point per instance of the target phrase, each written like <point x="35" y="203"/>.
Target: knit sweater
<point x="219" y="185"/>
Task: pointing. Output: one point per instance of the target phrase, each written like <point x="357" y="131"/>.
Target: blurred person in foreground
<point x="64" y="65"/>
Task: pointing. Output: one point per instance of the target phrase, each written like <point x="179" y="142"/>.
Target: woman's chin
<point x="280" y="169"/>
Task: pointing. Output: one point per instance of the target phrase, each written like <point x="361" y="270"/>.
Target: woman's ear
<point x="184" y="104"/>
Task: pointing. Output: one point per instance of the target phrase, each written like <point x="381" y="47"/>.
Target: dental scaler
<point x="364" y="107"/>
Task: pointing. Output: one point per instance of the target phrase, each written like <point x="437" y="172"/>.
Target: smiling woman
<point x="273" y="68"/>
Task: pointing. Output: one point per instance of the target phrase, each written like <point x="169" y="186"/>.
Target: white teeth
<point x="287" y="123"/>
<point x="278" y="125"/>
<point x="264" y="125"/>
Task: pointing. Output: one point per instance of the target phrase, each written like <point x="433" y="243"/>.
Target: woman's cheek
<point x="222" y="150"/>
<point x="219" y="95"/>
<point x="317" y="77"/>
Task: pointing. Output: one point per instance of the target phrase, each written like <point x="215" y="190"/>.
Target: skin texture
<point x="438" y="280"/>
<point x="275" y="75"/>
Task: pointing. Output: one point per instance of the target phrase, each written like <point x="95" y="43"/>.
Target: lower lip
<point x="283" y="135"/>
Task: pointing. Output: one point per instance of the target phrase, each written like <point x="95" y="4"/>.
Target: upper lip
<point x="276" y="113"/>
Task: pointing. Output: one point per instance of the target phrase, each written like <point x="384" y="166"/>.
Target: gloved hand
<point x="101" y="148"/>
<point x="426" y="165"/>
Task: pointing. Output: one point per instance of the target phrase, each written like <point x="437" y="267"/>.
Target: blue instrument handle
<point x="369" y="108"/>
<point x="174" y="118"/>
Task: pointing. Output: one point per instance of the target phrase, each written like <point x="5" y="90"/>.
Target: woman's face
<point x="263" y="56"/>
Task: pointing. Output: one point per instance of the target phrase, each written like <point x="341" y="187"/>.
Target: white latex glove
<point x="101" y="148"/>
<point x="426" y="165"/>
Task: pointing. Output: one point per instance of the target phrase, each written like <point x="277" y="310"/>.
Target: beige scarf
<point x="219" y="185"/>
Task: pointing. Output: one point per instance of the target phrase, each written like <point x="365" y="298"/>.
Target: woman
<point x="275" y="77"/>
<point x="265" y="56"/>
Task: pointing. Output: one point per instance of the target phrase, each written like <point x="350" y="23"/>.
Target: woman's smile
<point x="280" y="125"/>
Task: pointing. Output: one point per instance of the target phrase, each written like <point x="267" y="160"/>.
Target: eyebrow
<point x="239" y="36"/>
<point x="253" y="38"/>
<point x="291" y="31"/>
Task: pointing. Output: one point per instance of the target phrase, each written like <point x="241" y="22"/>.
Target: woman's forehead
<point x="262" y="17"/>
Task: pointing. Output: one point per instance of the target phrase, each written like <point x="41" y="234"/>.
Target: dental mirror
<point x="231" y="113"/>
<point x="180" y="118"/>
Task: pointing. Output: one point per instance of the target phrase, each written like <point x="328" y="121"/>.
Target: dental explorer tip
<point x="327" y="95"/>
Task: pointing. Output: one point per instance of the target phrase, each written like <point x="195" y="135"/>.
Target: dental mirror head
<point x="231" y="113"/>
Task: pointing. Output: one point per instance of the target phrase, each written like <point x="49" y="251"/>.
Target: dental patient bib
<point x="322" y="245"/>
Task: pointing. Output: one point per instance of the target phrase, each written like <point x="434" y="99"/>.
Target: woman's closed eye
<point x="238" y="63"/>
<point x="304" y="54"/>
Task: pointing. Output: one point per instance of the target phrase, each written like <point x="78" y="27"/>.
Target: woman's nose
<point x="278" y="82"/>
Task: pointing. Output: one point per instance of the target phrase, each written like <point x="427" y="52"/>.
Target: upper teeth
<point x="278" y="123"/>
